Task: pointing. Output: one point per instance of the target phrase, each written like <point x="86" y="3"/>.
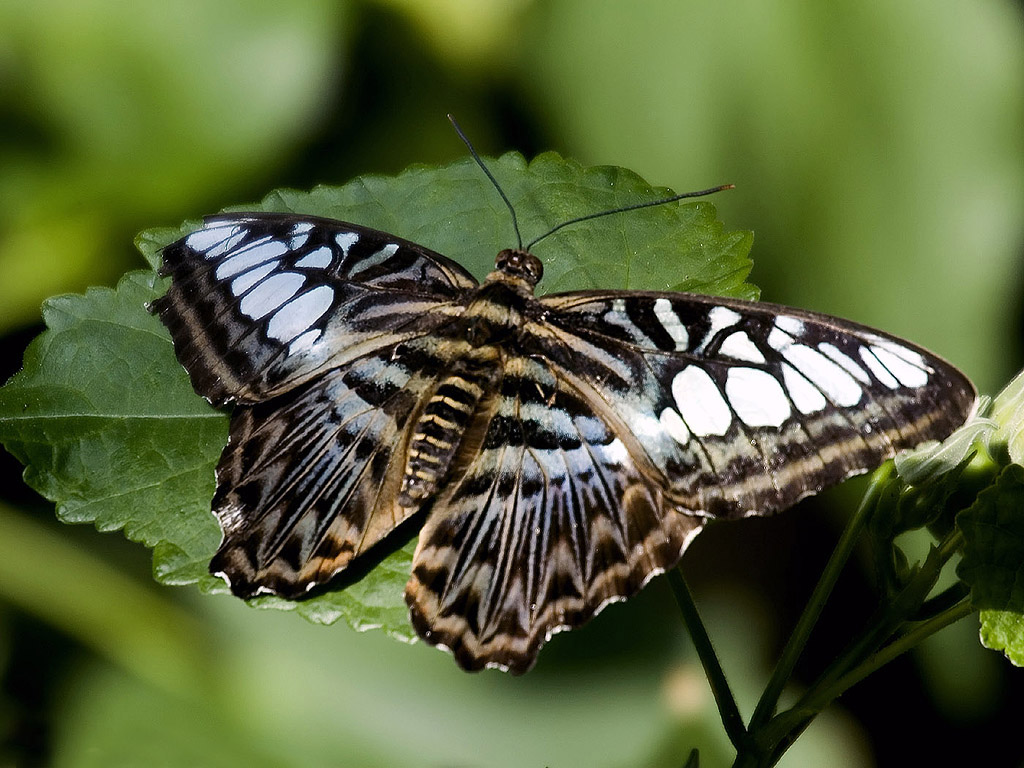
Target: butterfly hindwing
<point x="260" y="303"/>
<point x="747" y="407"/>
<point x="311" y="479"/>
<point x="550" y="520"/>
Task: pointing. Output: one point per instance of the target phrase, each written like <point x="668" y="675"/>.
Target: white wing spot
<point x="249" y="257"/>
<point x="805" y="396"/>
<point x="700" y="402"/>
<point x="297" y="241"/>
<point x="247" y="280"/>
<point x="346" y="240"/>
<point x="302" y="227"/>
<point x="228" y="245"/>
<point x="304" y="342"/>
<point x="270" y="294"/>
<point x="615" y="315"/>
<point x="880" y="371"/>
<point x="615" y="452"/>
<point x="719" y="319"/>
<point x="833" y="381"/>
<point x="847" y="362"/>
<point x="321" y="258"/>
<point x="644" y="425"/>
<point x="673" y="423"/>
<point x="738" y="346"/>
<point x="204" y="240"/>
<point x="374" y="259"/>
<point x="757" y="397"/>
<point x="670" y="322"/>
<point x="909" y="375"/>
<point x="779" y="340"/>
<point x="723" y="317"/>
<point x="911" y="356"/>
<point x="300" y="313"/>
<point x="794" y="326"/>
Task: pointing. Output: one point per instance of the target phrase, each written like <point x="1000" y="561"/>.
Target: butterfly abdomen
<point x="438" y="433"/>
<point x="492" y="315"/>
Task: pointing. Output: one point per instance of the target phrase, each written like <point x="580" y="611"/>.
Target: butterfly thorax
<point x="494" y="311"/>
<point x="472" y="345"/>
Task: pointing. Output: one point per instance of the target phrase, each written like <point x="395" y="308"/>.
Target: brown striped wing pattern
<point x="554" y="517"/>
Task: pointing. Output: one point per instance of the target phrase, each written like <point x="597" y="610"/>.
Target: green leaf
<point x="993" y="562"/>
<point x="99" y="424"/>
<point x="109" y="428"/>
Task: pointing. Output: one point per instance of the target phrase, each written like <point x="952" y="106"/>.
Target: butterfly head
<point x="520" y="264"/>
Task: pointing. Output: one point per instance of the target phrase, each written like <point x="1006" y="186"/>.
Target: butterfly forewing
<point x="747" y="407"/>
<point x="564" y="449"/>
<point x="260" y="303"/>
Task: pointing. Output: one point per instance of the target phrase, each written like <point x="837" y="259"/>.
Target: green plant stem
<point x="890" y="617"/>
<point x="950" y="545"/>
<point x="727" y="708"/>
<point x="946" y="599"/>
<point x="769" y="700"/>
<point x="863" y="656"/>
<point x="788" y="726"/>
<point x="890" y="652"/>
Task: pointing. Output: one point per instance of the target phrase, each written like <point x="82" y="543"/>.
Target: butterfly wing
<point x="309" y="479"/>
<point x="744" y="407"/>
<point x="260" y="303"/>
<point x="316" y="329"/>
<point x="550" y="520"/>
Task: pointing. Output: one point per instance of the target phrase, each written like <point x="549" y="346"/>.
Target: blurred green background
<point x="878" y="152"/>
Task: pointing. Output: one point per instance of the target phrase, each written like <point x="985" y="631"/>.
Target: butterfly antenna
<point x="624" y="208"/>
<point x="487" y="171"/>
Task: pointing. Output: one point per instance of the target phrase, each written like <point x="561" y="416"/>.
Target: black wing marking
<point x="260" y="303"/>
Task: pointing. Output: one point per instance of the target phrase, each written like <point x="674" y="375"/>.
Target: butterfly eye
<point x="519" y="263"/>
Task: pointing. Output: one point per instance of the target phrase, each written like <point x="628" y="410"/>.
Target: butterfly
<point x="562" y="450"/>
